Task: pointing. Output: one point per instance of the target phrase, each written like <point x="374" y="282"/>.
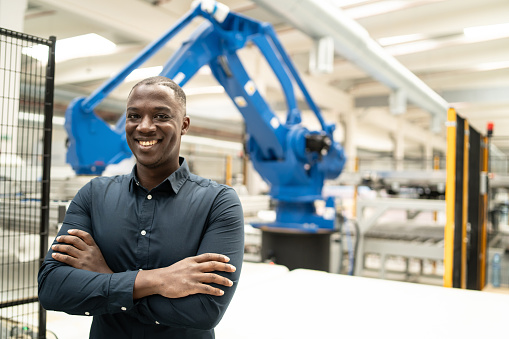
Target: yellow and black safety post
<point x="464" y="247"/>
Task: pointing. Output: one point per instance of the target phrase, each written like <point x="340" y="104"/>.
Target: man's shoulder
<point x="212" y="191"/>
<point x="209" y="184"/>
<point x="202" y="182"/>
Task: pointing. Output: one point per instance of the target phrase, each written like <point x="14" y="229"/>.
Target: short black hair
<point x="164" y="81"/>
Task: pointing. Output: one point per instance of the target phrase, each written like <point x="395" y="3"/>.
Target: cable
<point x="356" y="247"/>
<point x="352" y="250"/>
<point x="349" y="247"/>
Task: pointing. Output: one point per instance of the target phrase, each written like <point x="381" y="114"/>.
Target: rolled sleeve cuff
<point x="121" y="291"/>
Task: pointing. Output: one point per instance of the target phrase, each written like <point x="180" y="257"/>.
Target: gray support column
<point x="399" y="145"/>
<point x="350" y="144"/>
<point x="12" y="14"/>
<point x="428" y="154"/>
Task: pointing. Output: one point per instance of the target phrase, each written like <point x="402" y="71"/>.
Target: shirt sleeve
<point x="225" y="235"/>
<point x="75" y="291"/>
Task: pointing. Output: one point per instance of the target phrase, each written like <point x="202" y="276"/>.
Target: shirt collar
<point x="176" y="179"/>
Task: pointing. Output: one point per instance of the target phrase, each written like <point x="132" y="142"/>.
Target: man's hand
<point x="80" y="251"/>
<point x="186" y="277"/>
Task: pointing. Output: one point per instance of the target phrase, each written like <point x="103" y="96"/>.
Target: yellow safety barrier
<point x="450" y="192"/>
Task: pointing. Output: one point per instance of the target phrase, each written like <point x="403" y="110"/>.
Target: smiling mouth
<point x="147" y="142"/>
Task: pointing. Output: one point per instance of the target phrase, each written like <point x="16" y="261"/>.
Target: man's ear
<point x="186" y="122"/>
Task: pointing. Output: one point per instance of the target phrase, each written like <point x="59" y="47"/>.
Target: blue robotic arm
<point x="292" y="159"/>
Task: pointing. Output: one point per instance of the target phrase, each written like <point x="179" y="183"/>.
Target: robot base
<point x="296" y="249"/>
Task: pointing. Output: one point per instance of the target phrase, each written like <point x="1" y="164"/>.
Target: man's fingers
<point x="216" y="279"/>
<point x="217" y="266"/>
<point x="72" y="240"/>
<point x="214" y="262"/>
<point x="211" y="257"/>
<point x="66" y="259"/>
<point x="87" y="238"/>
<point x="207" y="289"/>
<point x="67" y="249"/>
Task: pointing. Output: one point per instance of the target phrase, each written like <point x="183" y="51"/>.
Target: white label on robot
<point x="250" y="88"/>
<point x="179" y="77"/>
<point x="274" y="122"/>
<point x="240" y="101"/>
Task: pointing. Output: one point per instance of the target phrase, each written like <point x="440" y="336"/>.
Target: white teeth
<point x="147" y="143"/>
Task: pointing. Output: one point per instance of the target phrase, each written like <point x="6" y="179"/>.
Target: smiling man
<point x="153" y="254"/>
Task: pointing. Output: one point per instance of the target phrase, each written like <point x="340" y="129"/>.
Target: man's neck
<point x="152" y="177"/>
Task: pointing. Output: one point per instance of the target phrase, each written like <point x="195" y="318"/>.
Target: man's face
<point x="155" y="122"/>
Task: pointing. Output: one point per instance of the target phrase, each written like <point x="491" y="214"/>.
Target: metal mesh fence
<point x="26" y="109"/>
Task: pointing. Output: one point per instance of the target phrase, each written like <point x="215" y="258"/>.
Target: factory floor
<point x="262" y="284"/>
<point x="65" y="326"/>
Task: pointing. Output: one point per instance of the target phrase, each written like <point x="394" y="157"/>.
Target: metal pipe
<point x="319" y="19"/>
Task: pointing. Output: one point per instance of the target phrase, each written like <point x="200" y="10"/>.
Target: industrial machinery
<point x="292" y="159"/>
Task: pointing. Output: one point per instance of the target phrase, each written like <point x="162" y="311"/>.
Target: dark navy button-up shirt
<point x="184" y="216"/>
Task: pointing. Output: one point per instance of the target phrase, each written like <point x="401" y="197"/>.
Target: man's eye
<point x="162" y="116"/>
<point x="133" y="116"/>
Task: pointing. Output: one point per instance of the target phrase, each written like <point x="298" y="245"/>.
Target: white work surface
<point x="274" y="303"/>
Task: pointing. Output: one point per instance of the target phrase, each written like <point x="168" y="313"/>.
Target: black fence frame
<point x="36" y="92"/>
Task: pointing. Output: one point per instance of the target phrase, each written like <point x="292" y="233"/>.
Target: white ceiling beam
<point x="437" y="17"/>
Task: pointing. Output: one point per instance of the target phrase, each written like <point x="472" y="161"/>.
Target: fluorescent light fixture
<point x="83" y="46"/>
<point x="401" y="39"/>
<point x="488" y="32"/>
<point x="375" y="8"/>
<point x="371" y="8"/>
<point x="39" y="118"/>
<point x="490" y="66"/>
<point x="142" y="73"/>
<point x="412" y="47"/>
<point x="72" y="48"/>
<point x="204" y="90"/>
<point x="346" y="3"/>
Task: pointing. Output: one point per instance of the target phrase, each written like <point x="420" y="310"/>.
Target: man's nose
<point x="146" y="125"/>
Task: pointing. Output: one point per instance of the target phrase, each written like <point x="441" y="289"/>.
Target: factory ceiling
<point x="458" y="48"/>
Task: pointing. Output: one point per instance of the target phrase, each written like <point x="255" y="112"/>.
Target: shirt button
<point x="87" y="313"/>
<point x="123" y="308"/>
<point x="141" y="269"/>
<point x="143" y="232"/>
<point x="157" y="322"/>
<point x="149" y="197"/>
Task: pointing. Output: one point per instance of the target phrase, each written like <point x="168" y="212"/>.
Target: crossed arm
<point x="189" y="276"/>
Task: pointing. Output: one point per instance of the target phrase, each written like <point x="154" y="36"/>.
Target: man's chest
<point x="148" y="232"/>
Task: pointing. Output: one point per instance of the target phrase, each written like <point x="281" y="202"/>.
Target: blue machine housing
<point x="292" y="159"/>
